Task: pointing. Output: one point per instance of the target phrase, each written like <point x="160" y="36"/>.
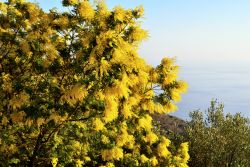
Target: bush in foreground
<point x="217" y="139"/>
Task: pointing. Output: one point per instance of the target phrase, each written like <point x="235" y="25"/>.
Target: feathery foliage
<point x="75" y="92"/>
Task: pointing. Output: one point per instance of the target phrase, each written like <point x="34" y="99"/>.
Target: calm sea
<point x="230" y="85"/>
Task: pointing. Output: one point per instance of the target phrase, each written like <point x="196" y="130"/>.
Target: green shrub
<point x="217" y="139"/>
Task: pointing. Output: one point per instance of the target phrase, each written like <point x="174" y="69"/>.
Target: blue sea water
<point x="230" y="85"/>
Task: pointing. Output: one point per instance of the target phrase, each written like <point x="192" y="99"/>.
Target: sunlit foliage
<point x="75" y="92"/>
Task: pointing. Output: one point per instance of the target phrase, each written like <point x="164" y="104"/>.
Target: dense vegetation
<point x="216" y="139"/>
<point x="75" y="92"/>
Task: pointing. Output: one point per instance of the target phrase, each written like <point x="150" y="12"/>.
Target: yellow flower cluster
<point x="129" y="103"/>
<point x="111" y="109"/>
<point x="145" y="122"/>
<point x="162" y="148"/>
<point x="56" y="117"/>
<point x="138" y="34"/>
<point x="153" y="161"/>
<point x="40" y="121"/>
<point x="109" y="164"/>
<point x="183" y="157"/>
<point x="72" y="96"/>
<point x="104" y="67"/>
<point x="54" y="161"/>
<point x="124" y="139"/>
<point x="79" y="163"/>
<point x="121" y="88"/>
<point x="98" y="124"/>
<point x="144" y="159"/>
<point x="85" y="10"/>
<point x="102" y="14"/>
<point x="120" y="13"/>
<point x="153" y="107"/>
<point x="3" y="8"/>
<point x="169" y="71"/>
<point x="127" y="111"/>
<point x="151" y="138"/>
<point x="115" y="153"/>
<point x="62" y="21"/>
<point x="105" y="139"/>
<point x="7" y="84"/>
<point x="170" y="107"/>
<point x="33" y="12"/>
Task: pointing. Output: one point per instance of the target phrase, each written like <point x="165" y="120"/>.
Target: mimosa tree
<point x="75" y="92"/>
